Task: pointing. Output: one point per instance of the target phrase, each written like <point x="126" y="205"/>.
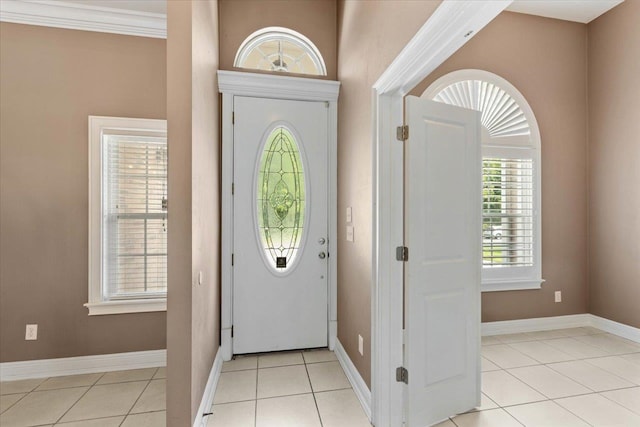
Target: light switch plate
<point x="360" y="345"/>
<point x="31" y="333"/>
<point x="349" y="233"/>
<point x="349" y="216"/>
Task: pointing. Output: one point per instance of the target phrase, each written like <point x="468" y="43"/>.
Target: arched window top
<point x="280" y="49"/>
<point x="505" y="111"/>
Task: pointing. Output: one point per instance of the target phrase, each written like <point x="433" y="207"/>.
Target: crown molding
<point x="74" y="16"/>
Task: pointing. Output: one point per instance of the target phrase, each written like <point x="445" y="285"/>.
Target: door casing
<point x="231" y="84"/>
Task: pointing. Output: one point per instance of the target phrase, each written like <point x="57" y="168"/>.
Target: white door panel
<point x="276" y="308"/>
<point x="442" y="275"/>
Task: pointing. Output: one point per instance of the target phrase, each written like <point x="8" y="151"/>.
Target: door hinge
<point x="231" y="331"/>
<point x="233" y="117"/>
<point x="402" y="375"/>
<point x="402" y="253"/>
<point x="233" y="189"/>
<point x="402" y="133"/>
<point x="232" y="259"/>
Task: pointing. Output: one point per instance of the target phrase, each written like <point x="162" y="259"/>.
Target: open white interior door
<point x="442" y="274"/>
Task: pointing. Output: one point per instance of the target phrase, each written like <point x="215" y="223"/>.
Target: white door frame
<point x="448" y="29"/>
<point x="233" y="83"/>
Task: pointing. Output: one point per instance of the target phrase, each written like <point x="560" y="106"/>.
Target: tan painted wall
<point x="371" y="34"/>
<point x="51" y="80"/>
<point x="194" y="204"/>
<point x="206" y="199"/>
<point x="546" y="60"/>
<point x="614" y="139"/>
<point x="316" y="19"/>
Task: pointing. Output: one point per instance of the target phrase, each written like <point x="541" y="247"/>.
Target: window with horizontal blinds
<point x="507" y="213"/>
<point x="135" y="215"/>
<point x="511" y="202"/>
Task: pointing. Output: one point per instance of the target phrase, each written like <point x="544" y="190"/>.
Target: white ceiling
<point x="151" y="6"/>
<point x="582" y="11"/>
<point x="570" y="10"/>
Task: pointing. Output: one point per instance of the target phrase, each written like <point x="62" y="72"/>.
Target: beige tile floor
<point x="297" y="388"/>
<point x="576" y="377"/>
<point x="563" y="378"/>
<point x="288" y="389"/>
<point x="133" y="398"/>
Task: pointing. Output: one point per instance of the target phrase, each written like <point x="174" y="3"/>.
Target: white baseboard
<point x="209" y="391"/>
<point x="45" y="368"/>
<point x="358" y="384"/>
<point x="561" y="322"/>
<point x="616" y="328"/>
<point x="535" y="324"/>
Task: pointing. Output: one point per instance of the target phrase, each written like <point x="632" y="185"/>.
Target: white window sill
<point x="511" y="285"/>
<point x="126" y="306"/>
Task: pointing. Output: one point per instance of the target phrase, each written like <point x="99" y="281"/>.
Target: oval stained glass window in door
<point x="281" y="199"/>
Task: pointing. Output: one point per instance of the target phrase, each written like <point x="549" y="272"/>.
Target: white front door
<point x="442" y="274"/>
<point x="280" y="245"/>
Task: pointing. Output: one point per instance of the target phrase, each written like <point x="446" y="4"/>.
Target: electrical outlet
<point x="360" y="345"/>
<point x="199" y="277"/>
<point x="558" y="296"/>
<point x="31" y="333"/>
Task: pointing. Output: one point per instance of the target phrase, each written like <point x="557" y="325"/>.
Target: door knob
<point x="322" y="255"/>
<point x="321" y="241"/>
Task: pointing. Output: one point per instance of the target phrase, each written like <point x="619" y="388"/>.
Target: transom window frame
<point x="280" y="34"/>
<point x="516" y="146"/>
<point x="98" y="303"/>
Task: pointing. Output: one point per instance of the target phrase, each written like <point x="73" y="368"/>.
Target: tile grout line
<point x="594" y="366"/>
<point x="573" y="413"/>
<point x="76" y="402"/>
<point x="10" y="406"/>
<point x="617" y="403"/>
<point x="572" y="359"/>
<point x="505" y="408"/>
<point x="255" y="402"/>
<point x="138" y="398"/>
<point x="315" y="402"/>
<point x="110" y="416"/>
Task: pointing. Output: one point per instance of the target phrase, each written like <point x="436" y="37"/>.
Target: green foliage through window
<point x="507" y="212"/>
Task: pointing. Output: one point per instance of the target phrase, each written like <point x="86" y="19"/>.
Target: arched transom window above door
<point x="280" y="49"/>
<point x="511" y="237"/>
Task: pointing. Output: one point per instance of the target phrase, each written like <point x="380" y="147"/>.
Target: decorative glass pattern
<point x="281" y="199"/>
<point x="282" y="50"/>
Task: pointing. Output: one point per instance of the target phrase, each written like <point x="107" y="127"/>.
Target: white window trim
<point x="97" y="305"/>
<point x="529" y="277"/>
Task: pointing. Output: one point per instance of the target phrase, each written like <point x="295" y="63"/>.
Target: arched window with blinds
<point x="511" y="243"/>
